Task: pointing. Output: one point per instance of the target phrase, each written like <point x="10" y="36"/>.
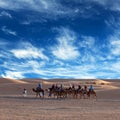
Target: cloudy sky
<point x="60" y="39"/>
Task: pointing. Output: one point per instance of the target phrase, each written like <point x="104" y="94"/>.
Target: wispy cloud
<point x="113" y="5"/>
<point x="50" y="9"/>
<point x="3" y="43"/>
<point x="6" y="14"/>
<point x="25" y="22"/>
<point x="88" y="48"/>
<point x="115" y="45"/>
<point x="8" y="31"/>
<point x="87" y="42"/>
<point x="65" y="49"/>
<point x="29" y="51"/>
<point x="33" y="60"/>
<point x="12" y="74"/>
<point x="5" y="55"/>
<point x="115" y="67"/>
<point x="40" y="6"/>
<point x="18" y="69"/>
<point x="36" y="62"/>
<point x="55" y="9"/>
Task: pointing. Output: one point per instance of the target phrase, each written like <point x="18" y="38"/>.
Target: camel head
<point x="33" y="89"/>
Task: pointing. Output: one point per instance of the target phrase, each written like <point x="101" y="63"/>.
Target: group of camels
<point x="65" y="93"/>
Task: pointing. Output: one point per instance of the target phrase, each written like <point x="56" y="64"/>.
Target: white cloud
<point x="69" y="72"/>
<point x="65" y="50"/>
<point x="52" y="6"/>
<point x="109" y="4"/>
<point x="89" y="49"/>
<point x="115" y="48"/>
<point x="115" y="44"/>
<point x="19" y="69"/>
<point x="58" y="63"/>
<point x="53" y="9"/>
<point x="45" y="4"/>
<point x="113" y="23"/>
<point x="25" y="66"/>
<point x="87" y="42"/>
<point x="4" y="13"/>
<point x="49" y="8"/>
<point x="13" y="74"/>
<point x="33" y="61"/>
<point x="33" y="19"/>
<point x="29" y="51"/>
<point x="116" y="66"/>
<point x="8" y="31"/>
<point x="77" y="10"/>
<point x="35" y="64"/>
<point x="16" y="69"/>
<point x="5" y="54"/>
<point x="88" y="57"/>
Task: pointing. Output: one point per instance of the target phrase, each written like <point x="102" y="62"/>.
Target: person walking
<point x="24" y="92"/>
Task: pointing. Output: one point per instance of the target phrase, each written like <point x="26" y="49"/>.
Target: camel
<point x="38" y="91"/>
<point x="91" y="94"/>
<point x="57" y="93"/>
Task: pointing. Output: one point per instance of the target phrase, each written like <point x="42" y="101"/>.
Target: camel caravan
<point x="73" y="91"/>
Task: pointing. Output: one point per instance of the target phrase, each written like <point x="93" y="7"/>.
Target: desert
<point x="15" y="106"/>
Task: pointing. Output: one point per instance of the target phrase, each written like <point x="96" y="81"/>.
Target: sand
<point x="13" y="106"/>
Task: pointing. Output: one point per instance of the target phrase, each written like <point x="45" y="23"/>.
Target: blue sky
<point x="60" y="39"/>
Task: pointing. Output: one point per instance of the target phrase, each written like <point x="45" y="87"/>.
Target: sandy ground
<point x="13" y="106"/>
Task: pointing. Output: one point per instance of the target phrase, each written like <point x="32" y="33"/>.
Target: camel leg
<point x="40" y="95"/>
<point x="36" y="95"/>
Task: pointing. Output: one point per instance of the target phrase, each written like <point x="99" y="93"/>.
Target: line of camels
<point x="65" y="93"/>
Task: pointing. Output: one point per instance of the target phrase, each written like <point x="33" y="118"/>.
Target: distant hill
<point x="8" y="80"/>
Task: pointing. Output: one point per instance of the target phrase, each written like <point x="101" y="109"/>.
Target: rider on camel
<point x="60" y="88"/>
<point x="91" y="88"/>
<point x="39" y="86"/>
<point x="53" y="86"/>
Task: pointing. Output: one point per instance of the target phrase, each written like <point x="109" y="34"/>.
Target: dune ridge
<point x="9" y="80"/>
<point x="98" y="83"/>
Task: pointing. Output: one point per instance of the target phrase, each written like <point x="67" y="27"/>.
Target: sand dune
<point x="14" y="106"/>
<point x="8" y="80"/>
<point x="106" y="84"/>
<point x="97" y="83"/>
